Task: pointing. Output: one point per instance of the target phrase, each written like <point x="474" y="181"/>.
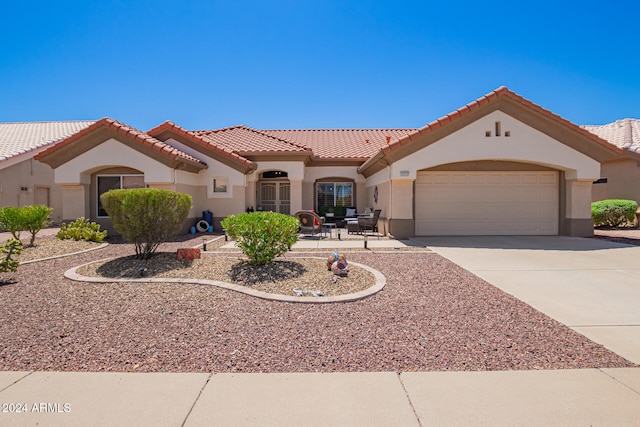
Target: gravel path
<point x="431" y="316"/>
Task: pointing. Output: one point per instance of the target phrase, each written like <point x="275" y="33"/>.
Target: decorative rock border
<point x="380" y="282"/>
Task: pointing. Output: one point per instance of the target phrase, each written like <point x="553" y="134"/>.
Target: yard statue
<point x="337" y="263"/>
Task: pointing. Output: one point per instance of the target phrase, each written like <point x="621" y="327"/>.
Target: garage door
<point x="486" y="203"/>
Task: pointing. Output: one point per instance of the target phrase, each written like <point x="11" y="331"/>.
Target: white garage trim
<point x="486" y="203"/>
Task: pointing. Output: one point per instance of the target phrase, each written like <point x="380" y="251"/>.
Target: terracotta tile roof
<point x="201" y="139"/>
<point x="356" y="144"/>
<point x="128" y="131"/>
<point x="624" y="134"/>
<point x="21" y="137"/>
<point x="245" y="141"/>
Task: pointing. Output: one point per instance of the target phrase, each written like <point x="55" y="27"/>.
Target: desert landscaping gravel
<point x="431" y="316"/>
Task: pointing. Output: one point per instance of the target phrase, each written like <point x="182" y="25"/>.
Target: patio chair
<point x="369" y="222"/>
<point x="310" y="221"/>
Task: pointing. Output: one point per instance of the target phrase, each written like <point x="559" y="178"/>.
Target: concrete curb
<point x="380" y="282"/>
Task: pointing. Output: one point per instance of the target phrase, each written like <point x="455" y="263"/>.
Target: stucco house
<point x="498" y="165"/>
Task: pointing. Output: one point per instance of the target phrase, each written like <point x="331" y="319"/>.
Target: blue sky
<point x="313" y="64"/>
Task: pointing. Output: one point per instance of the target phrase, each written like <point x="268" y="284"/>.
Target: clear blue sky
<point x="313" y="64"/>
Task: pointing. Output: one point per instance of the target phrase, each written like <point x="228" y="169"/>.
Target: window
<point x="220" y="185"/>
<point x="115" y="182"/>
<point x="333" y="194"/>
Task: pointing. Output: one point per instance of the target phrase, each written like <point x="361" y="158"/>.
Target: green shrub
<point x="613" y="212"/>
<point x="146" y="217"/>
<point x="28" y="218"/>
<point x="81" y="229"/>
<point x="7" y="263"/>
<point x="262" y="236"/>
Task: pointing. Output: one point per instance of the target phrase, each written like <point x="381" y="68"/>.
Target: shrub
<point x="613" y="212"/>
<point x="262" y="236"/>
<point x="146" y="217"/>
<point x="7" y="263"/>
<point x="28" y="218"/>
<point x="81" y="229"/>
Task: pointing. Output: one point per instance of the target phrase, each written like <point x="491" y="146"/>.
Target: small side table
<point x="329" y="226"/>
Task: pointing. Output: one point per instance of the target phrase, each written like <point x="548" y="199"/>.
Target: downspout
<point x="390" y="196"/>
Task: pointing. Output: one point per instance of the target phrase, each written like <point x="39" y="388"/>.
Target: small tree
<point x="262" y="236"/>
<point x="35" y="218"/>
<point x="28" y="218"/>
<point x="146" y="217"/>
<point x="7" y="263"/>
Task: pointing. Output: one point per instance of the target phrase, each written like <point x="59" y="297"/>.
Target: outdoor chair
<point x="364" y="223"/>
<point x="310" y="221"/>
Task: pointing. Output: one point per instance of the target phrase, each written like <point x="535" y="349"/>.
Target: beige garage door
<point x="487" y="203"/>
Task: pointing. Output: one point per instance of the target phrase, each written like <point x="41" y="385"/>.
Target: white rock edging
<point x="380" y="282"/>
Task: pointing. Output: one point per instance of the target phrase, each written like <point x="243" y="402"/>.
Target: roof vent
<point x="388" y="140"/>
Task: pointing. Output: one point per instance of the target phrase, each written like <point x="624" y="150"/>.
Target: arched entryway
<point x="274" y="192"/>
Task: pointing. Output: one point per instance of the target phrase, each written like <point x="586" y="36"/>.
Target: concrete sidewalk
<point x="350" y="242"/>
<point x="514" y="398"/>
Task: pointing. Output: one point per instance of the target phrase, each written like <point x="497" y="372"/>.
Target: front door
<point x="41" y="196"/>
<point x="275" y="196"/>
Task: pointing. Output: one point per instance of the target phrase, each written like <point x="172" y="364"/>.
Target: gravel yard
<point x="431" y="316"/>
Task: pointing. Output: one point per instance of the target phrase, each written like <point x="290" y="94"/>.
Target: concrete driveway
<point x="590" y="285"/>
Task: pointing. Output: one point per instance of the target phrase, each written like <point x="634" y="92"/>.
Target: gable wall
<point x="112" y="153"/>
<point x="524" y="144"/>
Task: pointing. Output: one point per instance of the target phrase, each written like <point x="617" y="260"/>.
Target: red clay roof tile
<point x="341" y="143"/>
<point x="198" y="138"/>
<point x="245" y="141"/>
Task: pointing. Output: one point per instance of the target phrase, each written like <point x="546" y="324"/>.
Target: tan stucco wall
<point x="623" y="181"/>
<point x="384" y="200"/>
<point x="308" y="195"/>
<point x="75" y="201"/>
<point x="31" y="174"/>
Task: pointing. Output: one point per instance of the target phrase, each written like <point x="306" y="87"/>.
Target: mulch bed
<point x="431" y="316"/>
<point x="628" y="236"/>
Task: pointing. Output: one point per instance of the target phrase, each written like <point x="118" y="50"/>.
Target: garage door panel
<point x="476" y="203"/>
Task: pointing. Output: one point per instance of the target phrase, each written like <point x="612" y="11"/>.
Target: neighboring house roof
<point x="169" y="153"/>
<point x="21" y="137"/>
<point x="357" y="144"/>
<point x="624" y="134"/>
